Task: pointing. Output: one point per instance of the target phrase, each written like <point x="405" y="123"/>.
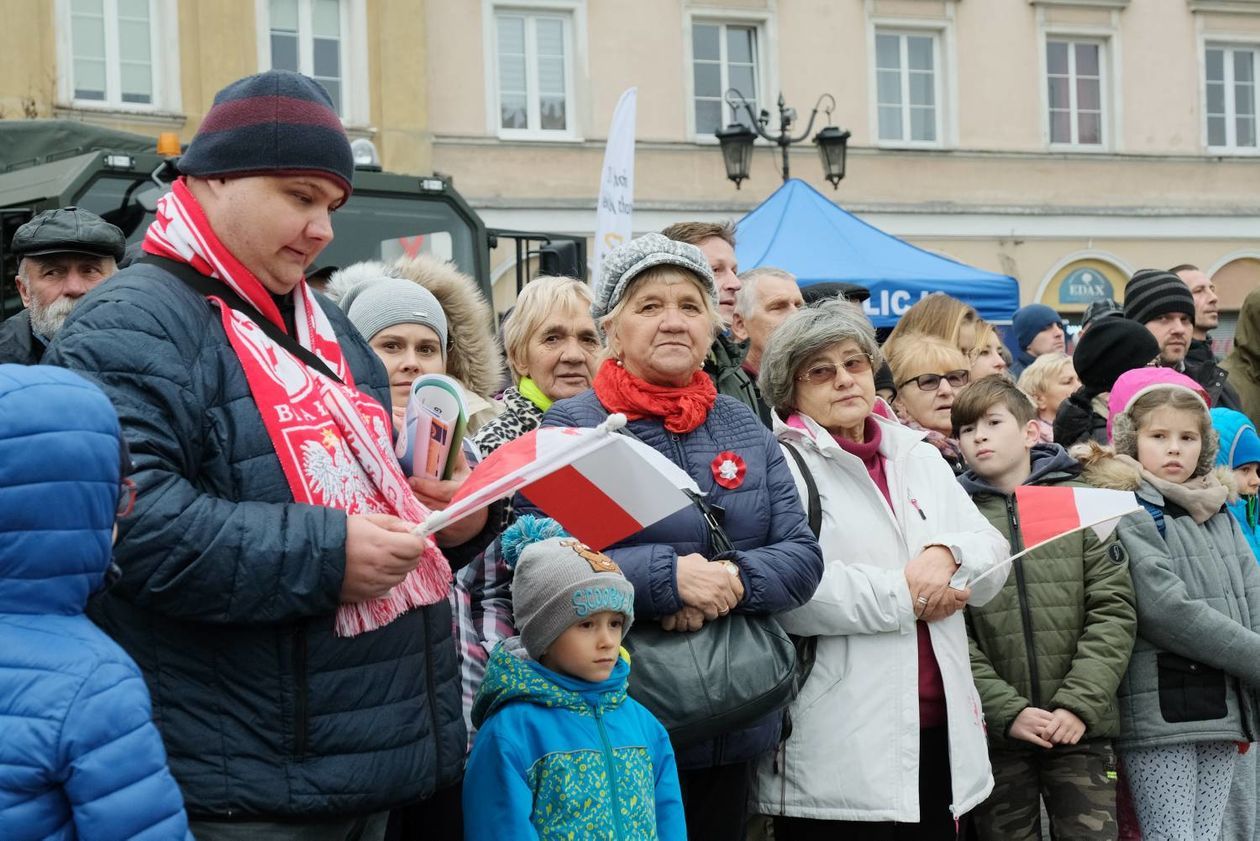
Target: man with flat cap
<point x="62" y="255"/>
<point x="295" y="635"/>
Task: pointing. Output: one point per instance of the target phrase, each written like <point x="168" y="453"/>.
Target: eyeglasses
<point x="825" y="372"/>
<point x="931" y="382"/>
<point x="126" y="498"/>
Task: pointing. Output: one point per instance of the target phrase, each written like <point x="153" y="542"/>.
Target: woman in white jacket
<point x="887" y="737"/>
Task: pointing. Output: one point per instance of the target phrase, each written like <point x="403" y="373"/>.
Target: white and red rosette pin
<point x="728" y="469"/>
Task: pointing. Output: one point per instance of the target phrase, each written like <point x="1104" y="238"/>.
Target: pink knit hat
<point x="1133" y="384"/>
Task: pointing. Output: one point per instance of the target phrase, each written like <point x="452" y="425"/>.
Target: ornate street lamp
<point x="737" y="139"/>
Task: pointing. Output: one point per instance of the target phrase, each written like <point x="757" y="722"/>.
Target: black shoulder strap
<point x="814" y="505"/>
<point x="210" y="286"/>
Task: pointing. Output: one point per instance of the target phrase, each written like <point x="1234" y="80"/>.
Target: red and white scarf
<point x="333" y="441"/>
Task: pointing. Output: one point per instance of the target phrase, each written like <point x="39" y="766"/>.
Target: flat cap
<point x="69" y="230"/>
<point x="626" y="262"/>
<point x="821" y="291"/>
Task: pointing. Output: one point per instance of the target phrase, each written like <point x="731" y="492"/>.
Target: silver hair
<point x="746" y="297"/>
<point x="805" y="334"/>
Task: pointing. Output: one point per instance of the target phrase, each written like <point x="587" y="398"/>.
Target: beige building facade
<point x="1065" y="142"/>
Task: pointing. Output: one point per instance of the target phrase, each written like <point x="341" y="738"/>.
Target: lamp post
<point x="737" y="139"/>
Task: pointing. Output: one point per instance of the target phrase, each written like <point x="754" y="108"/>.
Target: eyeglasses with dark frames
<point x="825" y="372"/>
<point x="931" y="382"/>
<point x="126" y="498"/>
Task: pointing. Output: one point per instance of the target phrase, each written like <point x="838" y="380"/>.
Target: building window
<point x="1075" y="85"/>
<point x="1231" y="97"/>
<point x="723" y="56"/>
<point x="533" y="52"/>
<point x="111" y="51"/>
<point x="906" y="87"/>
<point x="307" y="36"/>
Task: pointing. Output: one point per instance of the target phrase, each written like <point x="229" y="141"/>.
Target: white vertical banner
<point x="616" y="188"/>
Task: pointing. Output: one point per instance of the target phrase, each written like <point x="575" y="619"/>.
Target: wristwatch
<point x="730" y="566"/>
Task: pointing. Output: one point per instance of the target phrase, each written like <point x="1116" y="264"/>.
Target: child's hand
<point x="1064" y="728"/>
<point x="1029" y="725"/>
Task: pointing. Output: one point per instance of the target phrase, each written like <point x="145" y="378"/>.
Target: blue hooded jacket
<point x="560" y="757"/>
<point x="1240" y="445"/>
<point x="79" y="755"/>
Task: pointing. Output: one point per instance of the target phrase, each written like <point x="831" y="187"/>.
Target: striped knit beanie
<point x="1153" y="292"/>
<point x="275" y="123"/>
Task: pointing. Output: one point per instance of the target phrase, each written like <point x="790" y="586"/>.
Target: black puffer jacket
<point x="229" y="587"/>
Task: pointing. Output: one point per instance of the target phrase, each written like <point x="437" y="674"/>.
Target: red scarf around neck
<point x="682" y="408"/>
<point x="332" y="440"/>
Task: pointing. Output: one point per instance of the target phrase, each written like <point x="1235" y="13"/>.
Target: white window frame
<point x="767" y="58"/>
<point x="355" y="95"/>
<point x="1207" y="42"/>
<point x="946" y="93"/>
<point x="573" y="12"/>
<point x="1111" y="83"/>
<point x="163" y="52"/>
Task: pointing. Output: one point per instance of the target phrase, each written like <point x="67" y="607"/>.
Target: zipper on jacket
<point x="1017" y="545"/>
<point x="615" y="805"/>
<point x="433" y="705"/>
<point x="301" y="691"/>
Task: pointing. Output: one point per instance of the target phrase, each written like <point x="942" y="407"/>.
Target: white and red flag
<point x="1047" y="513"/>
<point x="600" y="485"/>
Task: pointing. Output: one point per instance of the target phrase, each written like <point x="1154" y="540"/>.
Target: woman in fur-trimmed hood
<point x="1188" y="697"/>
<point x="472" y="354"/>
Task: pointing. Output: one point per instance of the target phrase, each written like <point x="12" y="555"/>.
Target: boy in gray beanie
<point x="562" y="750"/>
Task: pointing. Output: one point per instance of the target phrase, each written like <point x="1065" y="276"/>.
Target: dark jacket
<point x="17" y="341"/>
<point x="79" y="755"/>
<point x="229" y="587"/>
<point x="779" y="559"/>
<point x="1078" y="419"/>
<point x="1060" y="632"/>
<point x="724" y="367"/>
<point x="1201" y="366"/>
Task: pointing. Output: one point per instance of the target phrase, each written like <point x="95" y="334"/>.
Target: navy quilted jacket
<point x="229" y="587"/>
<point x="779" y="559"/>
<point x="79" y="755"/>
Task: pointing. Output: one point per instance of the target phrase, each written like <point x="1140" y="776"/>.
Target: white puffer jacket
<point x="853" y="754"/>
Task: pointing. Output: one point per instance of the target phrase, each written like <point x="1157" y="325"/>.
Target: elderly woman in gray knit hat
<point x="655" y="302"/>
<point x="891" y="682"/>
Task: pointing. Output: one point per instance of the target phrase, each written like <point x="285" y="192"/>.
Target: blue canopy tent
<point x="801" y="231"/>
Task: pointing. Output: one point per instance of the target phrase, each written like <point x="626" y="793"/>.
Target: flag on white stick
<point x="616" y="187"/>
<point x="601" y="486"/>
<point x="1047" y="513"/>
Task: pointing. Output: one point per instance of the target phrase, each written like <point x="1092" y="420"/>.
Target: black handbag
<point x="729" y="674"/>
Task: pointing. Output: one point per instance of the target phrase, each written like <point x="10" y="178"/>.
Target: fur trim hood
<point x="474" y="357"/>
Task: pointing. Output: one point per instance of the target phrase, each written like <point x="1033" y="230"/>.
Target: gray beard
<point x="47" y="321"/>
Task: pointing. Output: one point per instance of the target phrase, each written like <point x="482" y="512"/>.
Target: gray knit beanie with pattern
<point x="626" y="262"/>
<point x="558" y="581"/>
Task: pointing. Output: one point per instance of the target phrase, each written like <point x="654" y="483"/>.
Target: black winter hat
<point x="274" y="123"/>
<point x="824" y="290"/>
<point x="1109" y="348"/>
<point x="1151" y="293"/>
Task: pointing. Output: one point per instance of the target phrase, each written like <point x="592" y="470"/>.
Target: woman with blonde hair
<point x="1048" y="381"/>
<point x="985" y="355"/>
<point x="928" y="372"/>
<point x="942" y="316"/>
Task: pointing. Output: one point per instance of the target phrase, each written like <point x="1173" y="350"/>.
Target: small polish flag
<point x="1047" y="513"/>
<point x="601" y="486"/>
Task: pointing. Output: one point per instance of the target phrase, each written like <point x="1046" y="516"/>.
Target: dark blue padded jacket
<point x="229" y="587"/>
<point x="779" y="560"/>
<point x="79" y="755"/>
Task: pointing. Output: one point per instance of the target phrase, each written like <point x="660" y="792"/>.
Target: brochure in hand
<point x="433" y="429"/>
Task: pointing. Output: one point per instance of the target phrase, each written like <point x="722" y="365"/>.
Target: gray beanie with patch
<point x="626" y="262"/>
<point x="558" y="581"/>
<point x="382" y="301"/>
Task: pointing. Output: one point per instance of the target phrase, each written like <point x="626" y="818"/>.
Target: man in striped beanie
<point x="295" y="634"/>
<point x="1161" y="301"/>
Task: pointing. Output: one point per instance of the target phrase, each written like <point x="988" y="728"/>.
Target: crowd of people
<point x="217" y="622"/>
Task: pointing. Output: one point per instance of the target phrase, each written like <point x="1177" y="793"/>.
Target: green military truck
<point x="46" y="164"/>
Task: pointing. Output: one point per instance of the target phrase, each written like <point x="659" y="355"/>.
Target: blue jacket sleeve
<point x="497" y="799"/>
<point x="785" y="571"/>
<point x="186" y="552"/>
<point x="650" y="567"/>
<point x="114" y="764"/>
<point x="671" y="821"/>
